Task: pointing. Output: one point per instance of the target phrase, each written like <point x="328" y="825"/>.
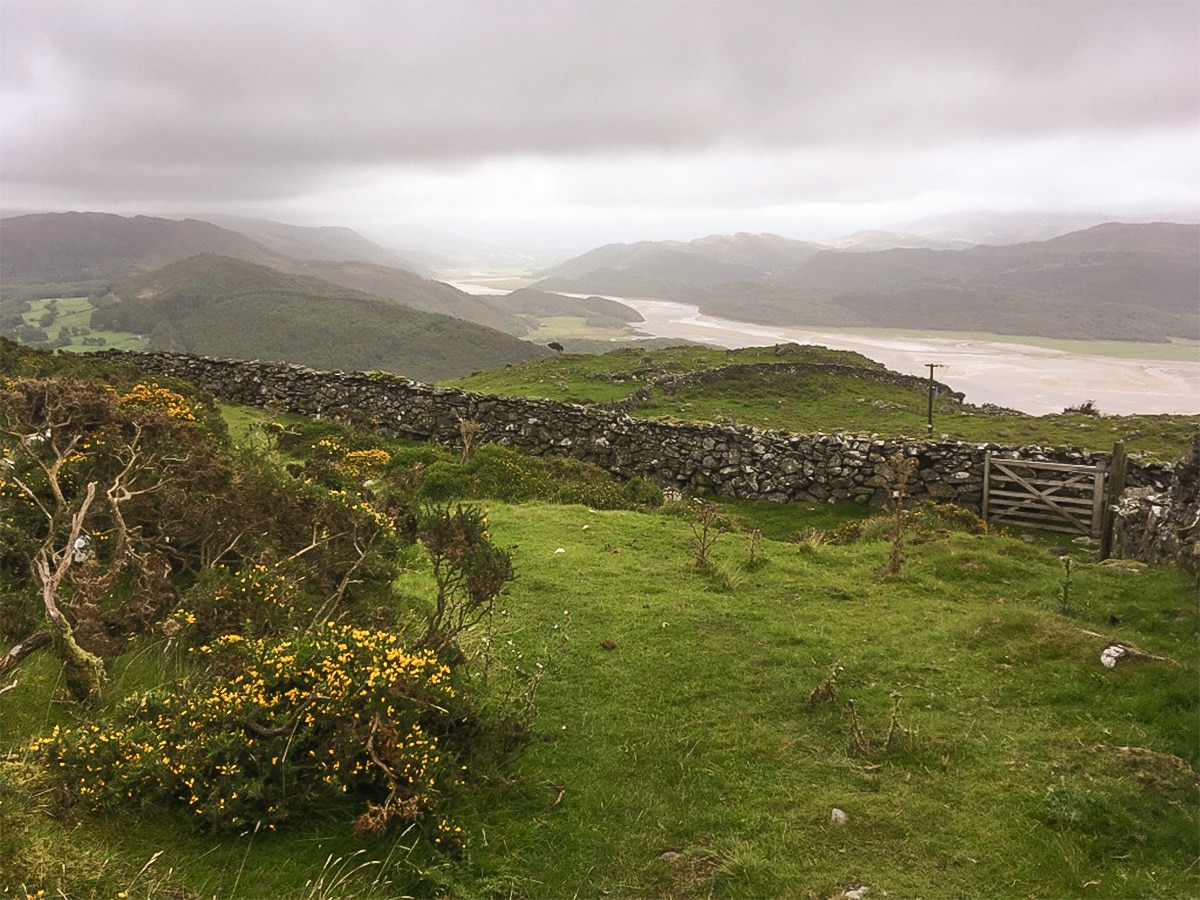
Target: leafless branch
<point x="27" y="647"/>
<point x="52" y="578"/>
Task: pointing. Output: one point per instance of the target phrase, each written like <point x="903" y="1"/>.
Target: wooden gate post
<point x="987" y="473"/>
<point x="1116" y="487"/>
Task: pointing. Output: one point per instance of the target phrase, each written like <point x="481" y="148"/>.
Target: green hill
<point x="70" y="255"/>
<point x="412" y="290"/>
<point x="219" y="306"/>
<point x="533" y="305"/>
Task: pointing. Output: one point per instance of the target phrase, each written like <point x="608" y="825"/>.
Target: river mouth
<point x="1033" y="379"/>
<point x="1036" y="380"/>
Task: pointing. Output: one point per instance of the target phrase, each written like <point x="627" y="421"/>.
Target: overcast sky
<point x="571" y="124"/>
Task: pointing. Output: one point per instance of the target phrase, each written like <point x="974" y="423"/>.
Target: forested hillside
<point x="76" y="254"/>
<point x="219" y="306"/>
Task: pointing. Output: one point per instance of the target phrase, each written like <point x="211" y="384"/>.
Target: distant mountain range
<point x="320" y="243"/>
<point x="969" y="227"/>
<point x="88" y="247"/>
<point x="1112" y="281"/>
<point x="195" y="286"/>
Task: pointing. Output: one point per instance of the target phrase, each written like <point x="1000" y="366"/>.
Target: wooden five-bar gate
<point x="1045" y="495"/>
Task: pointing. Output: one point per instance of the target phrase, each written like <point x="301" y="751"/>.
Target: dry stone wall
<point x="728" y="461"/>
<point x="1162" y="526"/>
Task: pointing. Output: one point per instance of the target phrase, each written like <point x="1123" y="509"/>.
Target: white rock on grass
<point x="1111" y="655"/>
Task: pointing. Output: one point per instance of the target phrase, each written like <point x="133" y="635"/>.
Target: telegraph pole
<point x="932" y="394"/>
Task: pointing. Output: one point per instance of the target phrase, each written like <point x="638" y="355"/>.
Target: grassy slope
<point x="412" y="290"/>
<point x="694" y="734"/>
<point x="1031" y="771"/>
<point x="594" y="378"/>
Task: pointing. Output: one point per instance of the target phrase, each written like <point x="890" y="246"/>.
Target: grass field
<point x="684" y="746"/>
<point x="76" y="313"/>
<point x="553" y="328"/>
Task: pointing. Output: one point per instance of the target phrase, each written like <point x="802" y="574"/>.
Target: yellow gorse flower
<point x="158" y="397"/>
<point x="309" y="702"/>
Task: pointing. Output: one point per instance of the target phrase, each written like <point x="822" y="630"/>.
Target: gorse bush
<point x="171" y="502"/>
<point x="155" y="397"/>
<point x="266" y="563"/>
<point x="281" y="724"/>
<point x="469" y="569"/>
<point x="97" y="479"/>
<point x="407" y="475"/>
<point x="501" y="473"/>
<point x="334" y="464"/>
<point x="256" y="599"/>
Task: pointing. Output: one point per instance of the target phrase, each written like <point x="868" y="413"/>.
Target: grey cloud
<point x="190" y="100"/>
